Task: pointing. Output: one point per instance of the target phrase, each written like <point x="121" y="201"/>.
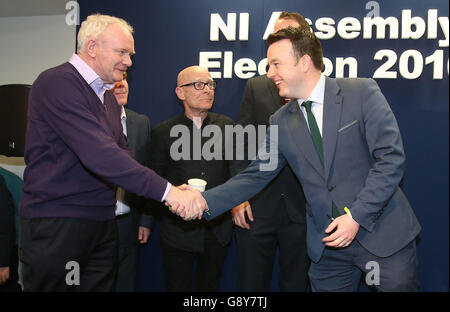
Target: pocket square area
<point x="354" y="122"/>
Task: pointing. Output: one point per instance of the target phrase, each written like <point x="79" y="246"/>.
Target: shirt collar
<point x="318" y="93"/>
<point x="83" y="68"/>
<point x="190" y="122"/>
<point x="91" y="77"/>
<point x="123" y="114"/>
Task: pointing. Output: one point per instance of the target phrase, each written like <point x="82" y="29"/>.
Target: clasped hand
<point x="186" y="201"/>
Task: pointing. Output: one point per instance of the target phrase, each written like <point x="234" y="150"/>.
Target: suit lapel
<point x="332" y="109"/>
<point x="299" y="132"/>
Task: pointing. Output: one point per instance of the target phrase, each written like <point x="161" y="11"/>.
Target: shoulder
<point x="61" y="81"/>
<point x="354" y="83"/>
<point x="220" y="119"/>
<point x="167" y="124"/>
<point x="58" y="75"/>
<point x="136" y="116"/>
<point x="258" y="82"/>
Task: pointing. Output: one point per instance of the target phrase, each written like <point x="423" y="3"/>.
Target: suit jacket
<point x="259" y="102"/>
<point x="139" y="136"/>
<point x="363" y="164"/>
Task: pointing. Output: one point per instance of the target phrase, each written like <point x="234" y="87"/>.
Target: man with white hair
<point x="76" y="156"/>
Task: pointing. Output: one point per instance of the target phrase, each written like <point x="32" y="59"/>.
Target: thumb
<point x="331" y="227"/>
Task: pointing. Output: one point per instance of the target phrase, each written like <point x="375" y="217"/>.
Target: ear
<point x="306" y="62"/>
<point x="91" y="47"/>
<point x="180" y="93"/>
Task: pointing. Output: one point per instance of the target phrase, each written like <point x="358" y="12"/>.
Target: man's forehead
<point x="193" y="74"/>
<point x="279" y="48"/>
<point x="116" y="32"/>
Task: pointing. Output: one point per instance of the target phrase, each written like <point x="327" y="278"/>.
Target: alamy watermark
<point x="226" y="143"/>
<point x="73" y="16"/>
<point x="73" y="276"/>
<point x="373" y="276"/>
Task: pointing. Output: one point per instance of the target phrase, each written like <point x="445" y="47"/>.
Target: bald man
<point x="184" y="243"/>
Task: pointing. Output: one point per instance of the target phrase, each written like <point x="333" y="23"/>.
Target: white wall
<point x="28" y="46"/>
<point x="31" y="44"/>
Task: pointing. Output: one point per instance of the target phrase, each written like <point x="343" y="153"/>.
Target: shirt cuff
<point x="166" y="192"/>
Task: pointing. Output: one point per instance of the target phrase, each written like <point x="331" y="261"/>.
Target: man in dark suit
<point x="134" y="224"/>
<point x="204" y="243"/>
<point x="342" y="140"/>
<point x="278" y="216"/>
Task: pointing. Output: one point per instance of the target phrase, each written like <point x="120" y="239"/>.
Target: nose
<point x="127" y="60"/>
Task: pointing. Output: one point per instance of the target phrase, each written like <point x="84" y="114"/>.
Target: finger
<point x="173" y="207"/>
<point x="242" y="220"/>
<point x="249" y="213"/>
<point x="144" y="238"/>
<point x="244" y="223"/>
<point x="331" y="226"/>
<point x="239" y="219"/>
<point x="179" y="210"/>
<point x="340" y="241"/>
<point x="185" y="214"/>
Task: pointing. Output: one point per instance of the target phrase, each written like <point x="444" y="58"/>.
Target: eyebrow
<point x="273" y="60"/>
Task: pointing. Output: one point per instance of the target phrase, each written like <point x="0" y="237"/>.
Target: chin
<point x="282" y="92"/>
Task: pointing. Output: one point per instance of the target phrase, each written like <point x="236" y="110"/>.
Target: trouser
<point x="65" y="254"/>
<point x="179" y="266"/>
<point x="340" y="269"/>
<point x="128" y="253"/>
<point x="257" y="251"/>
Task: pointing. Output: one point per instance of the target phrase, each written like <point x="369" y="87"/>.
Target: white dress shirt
<point x="121" y="207"/>
<point x="316" y="97"/>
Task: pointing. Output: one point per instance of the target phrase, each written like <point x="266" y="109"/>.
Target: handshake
<point x="186" y="201"/>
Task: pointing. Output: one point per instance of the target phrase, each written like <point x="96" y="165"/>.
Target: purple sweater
<point x="76" y="152"/>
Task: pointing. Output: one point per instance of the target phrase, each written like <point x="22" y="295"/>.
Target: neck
<point x="90" y="62"/>
<point x="309" y="84"/>
<point x="87" y="60"/>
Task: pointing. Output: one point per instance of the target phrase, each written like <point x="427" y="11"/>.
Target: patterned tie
<point x="317" y="140"/>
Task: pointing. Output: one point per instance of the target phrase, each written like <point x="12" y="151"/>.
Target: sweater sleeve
<point x="66" y="110"/>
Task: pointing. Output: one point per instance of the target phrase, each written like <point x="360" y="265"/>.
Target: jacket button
<point x="331" y="188"/>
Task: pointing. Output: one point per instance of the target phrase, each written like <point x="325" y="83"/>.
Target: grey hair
<point x="94" y="25"/>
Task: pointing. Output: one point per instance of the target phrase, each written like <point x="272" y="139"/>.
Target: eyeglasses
<point x="200" y="85"/>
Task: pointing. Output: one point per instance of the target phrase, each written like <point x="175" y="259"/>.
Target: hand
<point x="238" y="214"/>
<point x="4" y="275"/>
<point x="346" y="231"/>
<point x="143" y="234"/>
<point x="187" y="202"/>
